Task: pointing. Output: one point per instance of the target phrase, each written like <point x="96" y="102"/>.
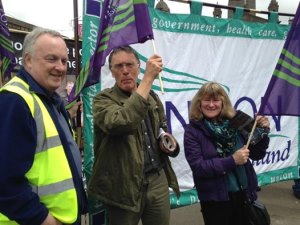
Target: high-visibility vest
<point x="50" y="175"/>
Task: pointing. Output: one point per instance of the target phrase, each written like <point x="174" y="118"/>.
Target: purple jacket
<point x="209" y="170"/>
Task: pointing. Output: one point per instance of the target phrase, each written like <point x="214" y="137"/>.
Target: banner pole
<point x="77" y="70"/>
<point x="159" y="75"/>
<point x="251" y="133"/>
<point x="1" y="75"/>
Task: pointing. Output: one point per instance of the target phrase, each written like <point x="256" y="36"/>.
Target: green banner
<point x="196" y="24"/>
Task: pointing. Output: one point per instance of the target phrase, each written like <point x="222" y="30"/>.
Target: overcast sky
<point x="59" y="14"/>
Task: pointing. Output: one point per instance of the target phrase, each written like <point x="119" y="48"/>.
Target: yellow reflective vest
<point x="50" y="175"/>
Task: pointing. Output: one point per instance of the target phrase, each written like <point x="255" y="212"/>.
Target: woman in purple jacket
<point x="214" y="144"/>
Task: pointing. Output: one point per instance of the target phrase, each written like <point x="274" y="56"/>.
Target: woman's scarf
<point x="228" y="142"/>
<point x="224" y="136"/>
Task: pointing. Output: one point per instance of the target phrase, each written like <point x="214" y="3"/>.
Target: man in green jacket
<point x="132" y="172"/>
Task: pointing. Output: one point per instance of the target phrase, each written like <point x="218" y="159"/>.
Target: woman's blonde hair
<point x="215" y="90"/>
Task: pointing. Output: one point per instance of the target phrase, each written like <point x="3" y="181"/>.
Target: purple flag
<point x="122" y="22"/>
<point x="282" y="96"/>
<point x="7" y="55"/>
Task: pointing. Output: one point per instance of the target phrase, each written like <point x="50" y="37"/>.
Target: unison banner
<point x="240" y="56"/>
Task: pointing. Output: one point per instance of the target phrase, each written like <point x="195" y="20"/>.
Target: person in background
<point x="217" y="155"/>
<point x="64" y="91"/>
<point x="132" y="171"/>
<point x="74" y="109"/>
<point x="296" y="188"/>
<point x="40" y="164"/>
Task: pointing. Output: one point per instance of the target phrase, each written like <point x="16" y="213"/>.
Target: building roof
<point x="19" y="25"/>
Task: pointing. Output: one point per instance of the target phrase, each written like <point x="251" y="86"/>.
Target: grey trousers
<point x="155" y="204"/>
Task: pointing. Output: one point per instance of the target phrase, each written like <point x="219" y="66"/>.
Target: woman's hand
<point x="263" y="121"/>
<point x="241" y="156"/>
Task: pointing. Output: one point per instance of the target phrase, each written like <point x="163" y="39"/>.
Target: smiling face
<point x="211" y="107"/>
<point x="47" y="63"/>
<point x="125" y="69"/>
<point x="211" y="102"/>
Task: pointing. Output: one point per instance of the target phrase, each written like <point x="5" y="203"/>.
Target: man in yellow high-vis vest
<point x="40" y="163"/>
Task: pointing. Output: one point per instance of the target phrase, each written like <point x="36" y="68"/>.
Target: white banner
<point x="243" y="66"/>
<point x="241" y="57"/>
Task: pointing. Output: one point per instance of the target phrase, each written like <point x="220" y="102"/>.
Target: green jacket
<point x="117" y="175"/>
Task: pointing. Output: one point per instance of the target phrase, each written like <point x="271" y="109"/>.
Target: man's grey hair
<point x="30" y="39"/>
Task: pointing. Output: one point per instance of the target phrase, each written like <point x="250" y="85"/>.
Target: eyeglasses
<point x="129" y="66"/>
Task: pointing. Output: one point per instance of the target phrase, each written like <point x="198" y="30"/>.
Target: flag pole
<point x="1" y="83"/>
<point x="251" y="133"/>
<point x="1" y="74"/>
<point x="159" y="75"/>
<point x="77" y="68"/>
<point x="76" y="37"/>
